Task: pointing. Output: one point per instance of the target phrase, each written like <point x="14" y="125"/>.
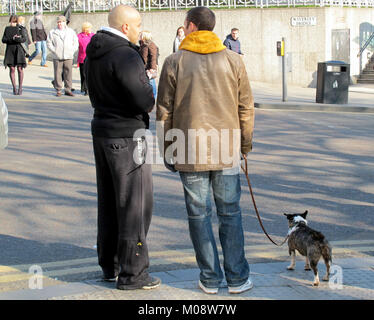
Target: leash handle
<point x="254" y="203"/>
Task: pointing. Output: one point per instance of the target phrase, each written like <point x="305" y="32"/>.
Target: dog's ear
<point x="304" y="214"/>
<point x="289" y="216"/>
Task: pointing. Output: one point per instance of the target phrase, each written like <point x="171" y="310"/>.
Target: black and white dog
<point x="310" y="243"/>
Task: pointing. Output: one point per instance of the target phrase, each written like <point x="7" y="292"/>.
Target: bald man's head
<point x="127" y="20"/>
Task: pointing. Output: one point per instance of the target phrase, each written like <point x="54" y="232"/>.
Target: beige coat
<point x="204" y="91"/>
<point x="62" y="48"/>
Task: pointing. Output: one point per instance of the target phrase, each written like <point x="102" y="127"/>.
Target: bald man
<point x="121" y="97"/>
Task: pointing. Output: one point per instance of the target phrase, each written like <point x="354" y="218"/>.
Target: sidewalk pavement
<point x="266" y="95"/>
<point x="269" y="96"/>
<point x="351" y="278"/>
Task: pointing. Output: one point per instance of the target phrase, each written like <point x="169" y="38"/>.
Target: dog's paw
<point x="325" y="278"/>
<point x="315" y="283"/>
<point x="291" y="268"/>
<point x="307" y="268"/>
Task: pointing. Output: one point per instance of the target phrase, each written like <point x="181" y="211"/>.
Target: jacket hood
<point x="103" y="42"/>
<point x="203" y="42"/>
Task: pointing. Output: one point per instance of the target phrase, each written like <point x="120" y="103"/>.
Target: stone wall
<point x="260" y="29"/>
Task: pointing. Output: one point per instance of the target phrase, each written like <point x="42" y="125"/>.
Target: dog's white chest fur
<point x="293" y="229"/>
<point x="296" y="220"/>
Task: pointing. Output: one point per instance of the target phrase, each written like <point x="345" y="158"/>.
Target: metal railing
<point x="29" y="6"/>
<point x="368" y="41"/>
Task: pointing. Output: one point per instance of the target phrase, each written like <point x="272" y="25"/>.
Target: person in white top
<point x="63" y="43"/>
<point x="178" y="39"/>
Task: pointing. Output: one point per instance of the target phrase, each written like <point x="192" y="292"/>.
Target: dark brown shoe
<point x="58" y="94"/>
<point x="68" y="93"/>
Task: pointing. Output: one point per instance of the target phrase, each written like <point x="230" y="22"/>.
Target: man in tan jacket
<point x="205" y="111"/>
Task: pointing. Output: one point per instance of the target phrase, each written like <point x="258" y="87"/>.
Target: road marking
<point x="158" y="258"/>
<point x="9" y="101"/>
<point x="48" y="274"/>
<point x="25" y="267"/>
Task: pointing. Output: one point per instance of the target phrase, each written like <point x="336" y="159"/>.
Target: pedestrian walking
<point x="122" y="97"/>
<point x="149" y="52"/>
<point x="84" y="39"/>
<point x="14" y="57"/>
<point x="39" y="37"/>
<point x="204" y="88"/>
<point x="232" y="41"/>
<point x="63" y="43"/>
<point x="178" y="39"/>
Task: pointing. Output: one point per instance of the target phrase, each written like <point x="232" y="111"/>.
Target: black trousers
<point x="125" y="200"/>
<point x="83" y="77"/>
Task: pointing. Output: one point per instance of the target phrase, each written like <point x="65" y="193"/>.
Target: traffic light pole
<point x="284" y="80"/>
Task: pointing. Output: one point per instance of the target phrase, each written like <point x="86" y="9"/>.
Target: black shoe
<point x="109" y="279"/>
<point x="149" y="283"/>
<point x="109" y="276"/>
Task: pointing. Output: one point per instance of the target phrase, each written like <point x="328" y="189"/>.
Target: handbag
<point x="24" y="46"/>
<point x="3" y="123"/>
<point x="25" y="49"/>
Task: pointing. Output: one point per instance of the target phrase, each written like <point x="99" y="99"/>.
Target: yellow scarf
<point x="203" y="42"/>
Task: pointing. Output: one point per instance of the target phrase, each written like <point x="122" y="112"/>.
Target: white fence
<point x="29" y="6"/>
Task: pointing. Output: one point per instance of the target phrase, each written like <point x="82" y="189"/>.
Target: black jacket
<point x="14" y="54"/>
<point x="118" y="86"/>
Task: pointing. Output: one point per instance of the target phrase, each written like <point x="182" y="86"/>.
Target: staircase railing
<point x="365" y="45"/>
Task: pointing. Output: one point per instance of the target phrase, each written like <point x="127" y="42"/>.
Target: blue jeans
<point x="154" y="87"/>
<point x="40" y="46"/>
<point x="226" y="192"/>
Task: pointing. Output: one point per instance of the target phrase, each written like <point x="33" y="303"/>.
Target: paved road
<point x="321" y="162"/>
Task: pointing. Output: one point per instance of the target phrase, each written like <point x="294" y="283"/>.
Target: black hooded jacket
<point x="118" y="86"/>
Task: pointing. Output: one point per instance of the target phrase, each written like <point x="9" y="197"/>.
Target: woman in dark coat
<point x="14" y="53"/>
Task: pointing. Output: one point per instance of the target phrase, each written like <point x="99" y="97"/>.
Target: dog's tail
<point x="326" y="252"/>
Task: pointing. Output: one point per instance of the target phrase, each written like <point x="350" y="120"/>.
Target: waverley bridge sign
<point x="303" y="21"/>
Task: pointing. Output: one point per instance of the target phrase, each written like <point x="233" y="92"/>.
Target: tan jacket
<point x="204" y="86"/>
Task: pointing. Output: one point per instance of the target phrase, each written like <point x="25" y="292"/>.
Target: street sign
<point x="303" y="21"/>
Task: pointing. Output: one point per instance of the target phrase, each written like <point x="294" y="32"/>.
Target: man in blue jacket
<point x="122" y="97"/>
<point x="232" y="41"/>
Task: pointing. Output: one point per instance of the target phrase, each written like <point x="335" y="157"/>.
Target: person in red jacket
<point x="84" y="39"/>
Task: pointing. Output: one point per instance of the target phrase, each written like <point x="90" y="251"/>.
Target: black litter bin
<point x="332" y="82"/>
